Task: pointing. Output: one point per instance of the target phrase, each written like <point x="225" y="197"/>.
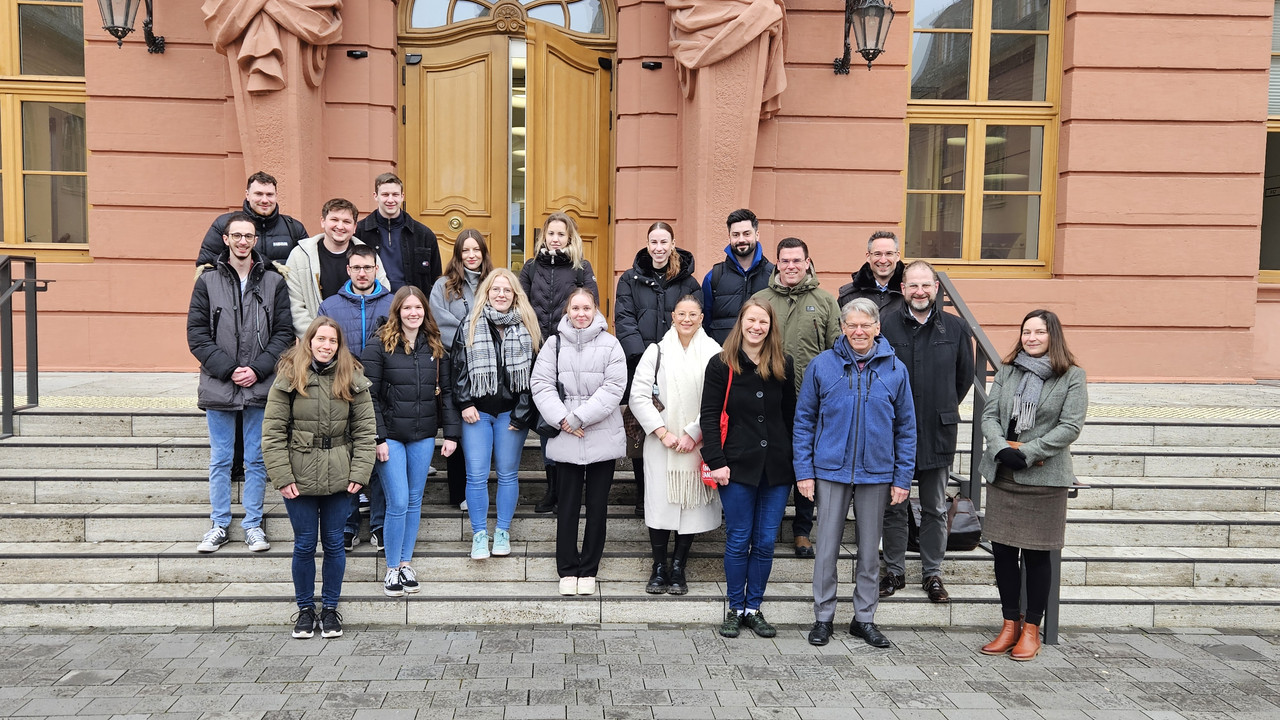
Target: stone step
<point x="1172" y="528"/>
<point x="790" y="604"/>
<point x="1178" y="493"/>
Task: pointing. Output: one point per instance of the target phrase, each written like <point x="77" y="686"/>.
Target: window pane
<point x="935" y="226"/>
<point x="1015" y="155"/>
<point x="1019" y="66"/>
<point x="467" y="10"/>
<point x="935" y="157"/>
<point x="1020" y="15"/>
<point x="585" y="16"/>
<point x="940" y="66"/>
<point x="1273" y="87"/>
<point x="1270" y="253"/>
<point x="51" y="38"/>
<point x="429" y="13"/>
<point x="1010" y="227"/>
<point x="553" y="14"/>
<point x="943" y="13"/>
<point x="53" y="136"/>
<point x="56" y="209"/>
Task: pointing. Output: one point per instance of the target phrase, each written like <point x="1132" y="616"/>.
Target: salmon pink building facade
<point x="1111" y="161"/>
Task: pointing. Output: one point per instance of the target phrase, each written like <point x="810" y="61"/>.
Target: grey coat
<point x="1059" y="419"/>
<point x="449" y="314"/>
<point x="593" y="371"/>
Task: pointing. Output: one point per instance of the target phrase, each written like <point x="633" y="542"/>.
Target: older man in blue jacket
<point x="855" y="437"/>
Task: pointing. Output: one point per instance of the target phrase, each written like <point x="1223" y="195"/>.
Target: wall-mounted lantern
<point x="870" y="21"/>
<point x="118" y="17"/>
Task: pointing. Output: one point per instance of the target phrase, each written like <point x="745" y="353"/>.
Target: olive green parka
<point x="318" y="441"/>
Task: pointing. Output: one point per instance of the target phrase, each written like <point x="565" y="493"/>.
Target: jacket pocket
<point x="877" y="435"/>
<point x="828" y="450"/>
<point x="949" y="417"/>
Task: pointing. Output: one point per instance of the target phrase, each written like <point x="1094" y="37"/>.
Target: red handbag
<point x="724" y="432"/>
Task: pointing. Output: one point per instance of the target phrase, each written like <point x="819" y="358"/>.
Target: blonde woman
<point x="492" y="359"/>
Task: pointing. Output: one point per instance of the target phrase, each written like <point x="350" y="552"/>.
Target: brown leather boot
<point x="1007" y="638"/>
<point x="1028" y="645"/>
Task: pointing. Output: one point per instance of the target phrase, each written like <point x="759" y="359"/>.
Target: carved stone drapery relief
<point x="276" y="50"/>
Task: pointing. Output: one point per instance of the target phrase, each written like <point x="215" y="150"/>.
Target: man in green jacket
<point x="809" y="319"/>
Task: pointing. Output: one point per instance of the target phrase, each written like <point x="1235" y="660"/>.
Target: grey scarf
<point x="1027" y="396"/>
<point x="516" y="353"/>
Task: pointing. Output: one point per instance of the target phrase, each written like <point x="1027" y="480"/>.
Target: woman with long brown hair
<point x="751" y="381"/>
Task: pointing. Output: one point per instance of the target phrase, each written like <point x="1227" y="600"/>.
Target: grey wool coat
<point x="1059" y="419"/>
<point x="593" y="371"/>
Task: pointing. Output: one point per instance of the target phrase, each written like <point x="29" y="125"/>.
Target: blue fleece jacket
<point x="856" y="425"/>
<point x="358" y="315"/>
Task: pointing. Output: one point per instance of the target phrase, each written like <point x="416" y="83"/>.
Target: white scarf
<point x="683" y="370"/>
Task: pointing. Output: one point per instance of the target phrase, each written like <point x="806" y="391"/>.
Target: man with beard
<point x="317" y="267"/>
<point x="743" y="273"/>
<point x="880" y="277"/>
<point x="937" y="349"/>
<point x="277" y="233"/>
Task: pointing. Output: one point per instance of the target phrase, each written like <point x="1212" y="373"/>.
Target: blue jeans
<point x="321" y="515"/>
<point x="751" y="519"/>
<point x="222" y="447"/>
<point x="491" y="437"/>
<point x="377" y="504"/>
<point x="403" y="477"/>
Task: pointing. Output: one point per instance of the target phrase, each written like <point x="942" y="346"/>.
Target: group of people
<point x="742" y="390"/>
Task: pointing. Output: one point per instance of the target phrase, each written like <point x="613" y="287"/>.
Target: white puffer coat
<point x="593" y="371"/>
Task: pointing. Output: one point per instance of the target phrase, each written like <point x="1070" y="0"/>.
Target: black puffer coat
<point x="864" y="285"/>
<point x="404" y="392"/>
<point x="548" y="279"/>
<point x="646" y="300"/>
<point x="277" y="235"/>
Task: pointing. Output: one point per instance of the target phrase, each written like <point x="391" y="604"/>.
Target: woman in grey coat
<point x="1034" y="411"/>
<point x="452" y="298"/>
<point x="577" y="383"/>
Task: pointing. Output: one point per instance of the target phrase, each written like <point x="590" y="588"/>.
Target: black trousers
<point x="456" y="476"/>
<point x="574" y="480"/>
<point x="1009" y="581"/>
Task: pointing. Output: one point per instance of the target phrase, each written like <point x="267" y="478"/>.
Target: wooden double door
<point x="502" y="129"/>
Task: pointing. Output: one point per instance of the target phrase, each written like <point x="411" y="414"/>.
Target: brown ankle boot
<point x="1028" y="645"/>
<point x="1007" y="638"/>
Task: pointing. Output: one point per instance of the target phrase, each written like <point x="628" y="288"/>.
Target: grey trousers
<point x="832" y="499"/>
<point x="933" y="526"/>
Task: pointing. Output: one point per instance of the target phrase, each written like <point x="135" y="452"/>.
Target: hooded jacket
<point x="645" y="301"/>
<point x="419" y="252"/>
<point x="547" y="279"/>
<point x="808" y="316"/>
<point x="227" y="329"/>
<point x="303" y="276"/>
<point x="593" y="373"/>
<point x="856" y="425"/>
<point x="358" y="315"/>
<point x="727" y="286"/>
<point x="318" y="441"/>
<point x="277" y="235"/>
<point x="864" y="285"/>
<point x="404" y="392"/>
<point x="939" y="359"/>
<point x="450" y="313"/>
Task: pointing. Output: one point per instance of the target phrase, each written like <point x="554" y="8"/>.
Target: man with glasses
<point x="238" y="325"/>
<point x="810" y="322"/>
<point x="317" y="267"/>
<point x="880" y="277"/>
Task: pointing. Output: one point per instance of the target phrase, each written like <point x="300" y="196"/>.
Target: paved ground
<point x="632" y="672"/>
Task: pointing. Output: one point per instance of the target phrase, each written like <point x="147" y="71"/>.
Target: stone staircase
<point x="100" y="512"/>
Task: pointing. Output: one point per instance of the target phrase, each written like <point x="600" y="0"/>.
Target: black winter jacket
<point x="404" y="392"/>
<point x="548" y="279"/>
<point x="727" y="286"/>
<point x="646" y="299"/>
<point x="939" y="360"/>
<point x="762" y="417"/>
<point x="864" y="285"/>
<point x="226" y="330"/>
<point x="520" y="404"/>
<point x="419" y="251"/>
<point x="277" y="234"/>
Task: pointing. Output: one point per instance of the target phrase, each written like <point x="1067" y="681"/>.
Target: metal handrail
<point x="30" y="285"/>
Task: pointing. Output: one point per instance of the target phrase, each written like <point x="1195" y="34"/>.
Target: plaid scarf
<point x="516" y="354"/>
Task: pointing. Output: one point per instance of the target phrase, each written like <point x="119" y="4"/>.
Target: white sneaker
<point x="256" y="539"/>
<point x="463" y="506"/>
<point x="568" y="586"/>
<point x="587" y="586"/>
<point x="431" y="471"/>
<point x="212" y="540"/>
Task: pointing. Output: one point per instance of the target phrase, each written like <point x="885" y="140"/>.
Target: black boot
<point x="637" y="466"/>
<point x="658" y="582"/>
<point x="660" y="578"/>
<point x="678" y="561"/>
<point x="548" y="502"/>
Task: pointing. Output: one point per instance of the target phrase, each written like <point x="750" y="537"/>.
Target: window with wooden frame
<point x="1269" y="251"/>
<point x="982" y="134"/>
<point x="43" y="160"/>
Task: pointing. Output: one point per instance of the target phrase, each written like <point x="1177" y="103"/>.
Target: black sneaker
<point x="759" y="626"/>
<point x="350" y="541"/>
<point x="391" y="586"/>
<point x="375" y="539"/>
<point x="731" y="625"/>
<point x="304" y="625"/>
<point x="409" y="580"/>
<point x="330" y="623"/>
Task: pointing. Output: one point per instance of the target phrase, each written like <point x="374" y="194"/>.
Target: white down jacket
<point x="593" y="372"/>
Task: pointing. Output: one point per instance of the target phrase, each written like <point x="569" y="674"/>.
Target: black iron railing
<point x="29" y="285"/>
<point x="986" y="363"/>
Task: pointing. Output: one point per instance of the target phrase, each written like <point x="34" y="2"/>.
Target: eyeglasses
<point x="501" y="291"/>
<point x="362" y="268"/>
<point x="242" y="236"/>
<point x="864" y="327"/>
<point x="912" y="287"/>
<point x="883" y="255"/>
